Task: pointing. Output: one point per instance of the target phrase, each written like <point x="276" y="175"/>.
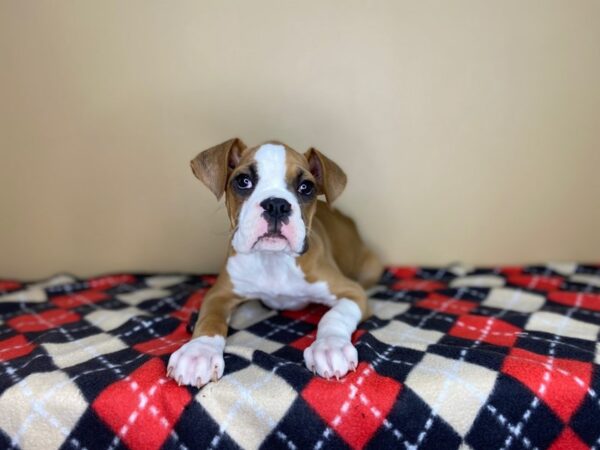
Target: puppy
<point x="287" y="249"/>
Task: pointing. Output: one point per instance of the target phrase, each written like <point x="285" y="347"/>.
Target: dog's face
<point x="271" y="192"/>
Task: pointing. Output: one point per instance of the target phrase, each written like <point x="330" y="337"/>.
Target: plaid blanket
<point x="453" y="357"/>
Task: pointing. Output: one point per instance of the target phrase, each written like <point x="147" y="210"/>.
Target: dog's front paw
<point x="198" y="362"/>
<point x="331" y="356"/>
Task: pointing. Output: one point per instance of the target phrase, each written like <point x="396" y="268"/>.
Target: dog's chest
<point x="275" y="279"/>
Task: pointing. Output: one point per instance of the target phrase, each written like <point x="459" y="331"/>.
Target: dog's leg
<point x="201" y="359"/>
<point x="332" y="354"/>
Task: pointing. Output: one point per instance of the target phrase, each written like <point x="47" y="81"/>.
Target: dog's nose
<point x="276" y="208"/>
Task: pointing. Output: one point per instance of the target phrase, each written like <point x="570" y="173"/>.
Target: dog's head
<point x="270" y="191"/>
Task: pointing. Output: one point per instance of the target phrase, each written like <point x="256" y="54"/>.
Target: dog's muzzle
<point x="276" y="212"/>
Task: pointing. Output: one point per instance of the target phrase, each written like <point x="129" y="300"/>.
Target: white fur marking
<point x="341" y="320"/>
<point x="332" y="353"/>
<point x="198" y="361"/>
<point x="276" y="279"/>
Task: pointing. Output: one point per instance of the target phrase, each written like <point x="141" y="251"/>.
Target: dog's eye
<point x="306" y="188"/>
<point x="243" y="181"/>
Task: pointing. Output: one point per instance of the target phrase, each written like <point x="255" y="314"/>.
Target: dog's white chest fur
<point x="276" y="279"/>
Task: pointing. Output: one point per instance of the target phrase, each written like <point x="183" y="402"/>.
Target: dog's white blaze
<point x="271" y="168"/>
<point x="276" y="279"/>
<point x="270" y="161"/>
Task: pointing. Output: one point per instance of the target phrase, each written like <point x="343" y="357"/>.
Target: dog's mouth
<point x="271" y="236"/>
<point x="271" y="241"/>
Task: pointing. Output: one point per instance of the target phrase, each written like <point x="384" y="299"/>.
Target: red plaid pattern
<point x="453" y="357"/>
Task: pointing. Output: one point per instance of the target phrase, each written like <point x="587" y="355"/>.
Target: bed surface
<point x="453" y="357"/>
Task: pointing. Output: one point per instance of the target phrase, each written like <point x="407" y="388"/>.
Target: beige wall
<point x="470" y="130"/>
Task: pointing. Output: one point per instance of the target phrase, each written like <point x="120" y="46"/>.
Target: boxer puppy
<point x="287" y="249"/>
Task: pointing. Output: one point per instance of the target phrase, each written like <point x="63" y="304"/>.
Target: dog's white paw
<point x="198" y="361"/>
<point x="331" y="356"/>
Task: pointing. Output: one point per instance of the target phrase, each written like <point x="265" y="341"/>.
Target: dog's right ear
<point x="213" y="166"/>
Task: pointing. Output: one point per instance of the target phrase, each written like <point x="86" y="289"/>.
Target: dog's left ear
<point x="213" y="165"/>
<point x="331" y="179"/>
